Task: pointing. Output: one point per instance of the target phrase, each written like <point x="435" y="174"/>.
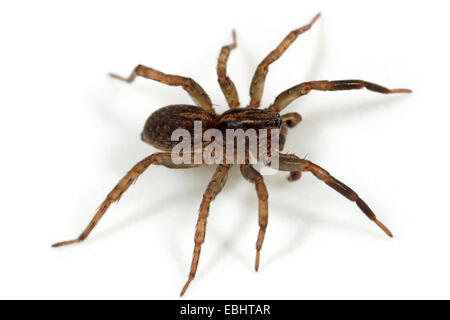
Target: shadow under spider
<point x="303" y="220"/>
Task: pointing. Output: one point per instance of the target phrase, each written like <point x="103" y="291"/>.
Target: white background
<point x="69" y="133"/>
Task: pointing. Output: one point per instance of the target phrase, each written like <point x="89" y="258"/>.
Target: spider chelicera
<point x="163" y="122"/>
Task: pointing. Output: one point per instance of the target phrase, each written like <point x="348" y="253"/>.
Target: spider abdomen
<point x="163" y="122"/>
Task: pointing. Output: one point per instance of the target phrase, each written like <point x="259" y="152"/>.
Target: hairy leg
<point x="227" y="86"/>
<point x="194" y="90"/>
<point x="257" y="85"/>
<point x="214" y="187"/>
<point x="163" y="159"/>
<point x="253" y="176"/>
<point x="290" y="162"/>
<point x="286" y="97"/>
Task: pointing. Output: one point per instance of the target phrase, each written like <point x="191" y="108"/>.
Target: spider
<point x="164" y="121"/>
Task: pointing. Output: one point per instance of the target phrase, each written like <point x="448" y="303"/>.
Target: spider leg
<point x="253" y="176"/>
<point x="155" y="159"/>
<point x="227" y="86"/>
<point x="289" y="95"/>
<point x="290" y="162"/>
<point x="257" y="85"/>
<point x="194" y="90"/>
<point x="214" y="187"/>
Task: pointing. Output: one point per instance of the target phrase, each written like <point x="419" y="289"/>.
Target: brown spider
<point x="163" y="122"/>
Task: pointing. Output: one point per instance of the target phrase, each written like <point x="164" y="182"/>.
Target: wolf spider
<point x="161" y="123"/>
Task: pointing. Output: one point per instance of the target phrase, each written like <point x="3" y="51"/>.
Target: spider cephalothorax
<point x="163" y="122"/>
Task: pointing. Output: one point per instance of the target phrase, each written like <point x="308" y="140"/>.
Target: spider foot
<point x="400" y="91"/>
<point x="186" y="286"/>
<point x="115" y="76"/>
<point x="64" y="243"/>
<point x="257" y="260"/>
<point x="384" y="228"/>
<point x="317" y="16"/>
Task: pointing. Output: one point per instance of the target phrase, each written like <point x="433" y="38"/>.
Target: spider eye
<point x="273" y="123"/>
